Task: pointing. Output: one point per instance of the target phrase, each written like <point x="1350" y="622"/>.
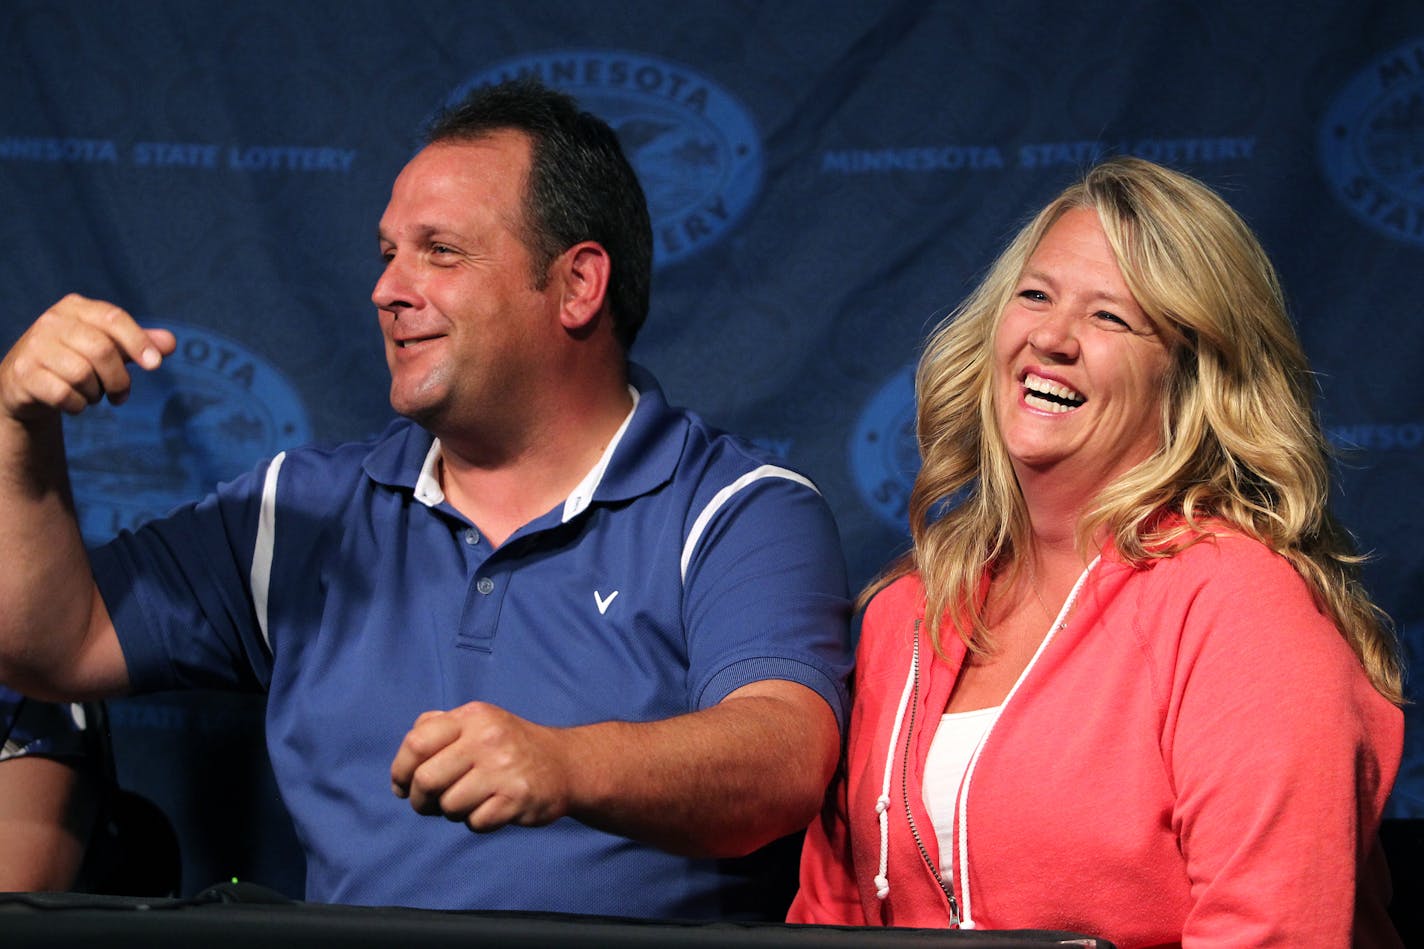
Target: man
<point x="631" y="630"/>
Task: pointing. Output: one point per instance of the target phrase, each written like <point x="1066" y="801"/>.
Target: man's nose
<point x="396" y="287"/>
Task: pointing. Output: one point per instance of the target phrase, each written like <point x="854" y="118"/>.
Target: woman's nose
<point x="1055" y="335"/>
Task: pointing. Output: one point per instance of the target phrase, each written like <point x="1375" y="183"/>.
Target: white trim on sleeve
<point x="725" y="495"/>
<point x="266" y="539"/>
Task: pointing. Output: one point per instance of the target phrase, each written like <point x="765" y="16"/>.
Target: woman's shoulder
<point x="1228" y="614"/>
<point x="901" y="596"/>
<point x="1228" y="583"/>
<point x="1219" y="553"/>
<point x="889" y="629"/>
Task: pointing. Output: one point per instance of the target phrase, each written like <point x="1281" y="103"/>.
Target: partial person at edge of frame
<point x="48" y="793"/>
<point x="545" y="605"/>
<point x="1127" y="681"/>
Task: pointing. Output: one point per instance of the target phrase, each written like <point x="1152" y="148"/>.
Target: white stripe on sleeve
<point x="725" y="495"/>
<point x="266" y="539"/>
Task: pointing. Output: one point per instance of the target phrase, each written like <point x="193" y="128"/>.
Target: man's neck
<point x="537" y="467"/>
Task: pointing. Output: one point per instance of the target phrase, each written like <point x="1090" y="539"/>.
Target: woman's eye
<point x="1037" y="296"/>
<point x="1107" y="317"/>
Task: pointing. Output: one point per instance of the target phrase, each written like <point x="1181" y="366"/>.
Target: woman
<point x="1129" y="685"/>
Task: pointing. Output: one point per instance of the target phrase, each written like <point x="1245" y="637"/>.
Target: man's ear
<point x="585" y="269"/>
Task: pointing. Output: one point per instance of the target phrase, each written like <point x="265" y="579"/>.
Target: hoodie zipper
<point x="905" y="786"/>
<point x="1059" y="624"/>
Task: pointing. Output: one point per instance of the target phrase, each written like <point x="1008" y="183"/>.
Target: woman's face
<point x="1079" y="368"/>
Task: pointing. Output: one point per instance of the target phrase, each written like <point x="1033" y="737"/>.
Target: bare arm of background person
<point x="46" y="808"/>
<point x="718" y="782"/>
<point x="56" y="638"/>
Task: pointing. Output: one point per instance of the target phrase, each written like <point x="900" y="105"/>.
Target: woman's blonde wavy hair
<point x="1240" y="443"/>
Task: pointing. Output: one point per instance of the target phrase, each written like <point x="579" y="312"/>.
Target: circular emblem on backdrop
<point x="210" y="412"/>
<point x="1370" y="143"/>
<point x="693" y="144"/>
<point x="884" y="455"/>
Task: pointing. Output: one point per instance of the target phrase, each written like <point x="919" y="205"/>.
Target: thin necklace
<point x="1033" y="585"/>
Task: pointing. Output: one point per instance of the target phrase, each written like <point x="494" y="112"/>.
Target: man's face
<point x="462" y="321"/>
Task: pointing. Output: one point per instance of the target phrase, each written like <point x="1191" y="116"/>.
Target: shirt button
<point x="485" y="585"/>
<point x="472" y="536"/>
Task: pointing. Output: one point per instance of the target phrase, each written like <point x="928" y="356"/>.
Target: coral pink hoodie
<point x="1195" y="759"/>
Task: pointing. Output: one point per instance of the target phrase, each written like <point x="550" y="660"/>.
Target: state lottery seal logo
<point x="884" y="454"/>
<point x="209" y="413"/>
<point x="693" y="145"/>
<point x="1372" y="143"/>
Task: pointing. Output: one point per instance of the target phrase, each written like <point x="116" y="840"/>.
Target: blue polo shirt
<point x="339" y="580"/>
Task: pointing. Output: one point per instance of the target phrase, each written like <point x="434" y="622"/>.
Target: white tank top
<point x="954" y="743"/>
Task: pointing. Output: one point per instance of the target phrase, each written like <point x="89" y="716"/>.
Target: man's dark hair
<point x="580" y="188"/>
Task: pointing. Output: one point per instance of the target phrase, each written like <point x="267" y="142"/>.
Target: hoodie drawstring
<point x="882" y="803"/>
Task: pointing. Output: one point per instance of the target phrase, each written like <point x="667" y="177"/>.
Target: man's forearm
<point x="716" y="783"/>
